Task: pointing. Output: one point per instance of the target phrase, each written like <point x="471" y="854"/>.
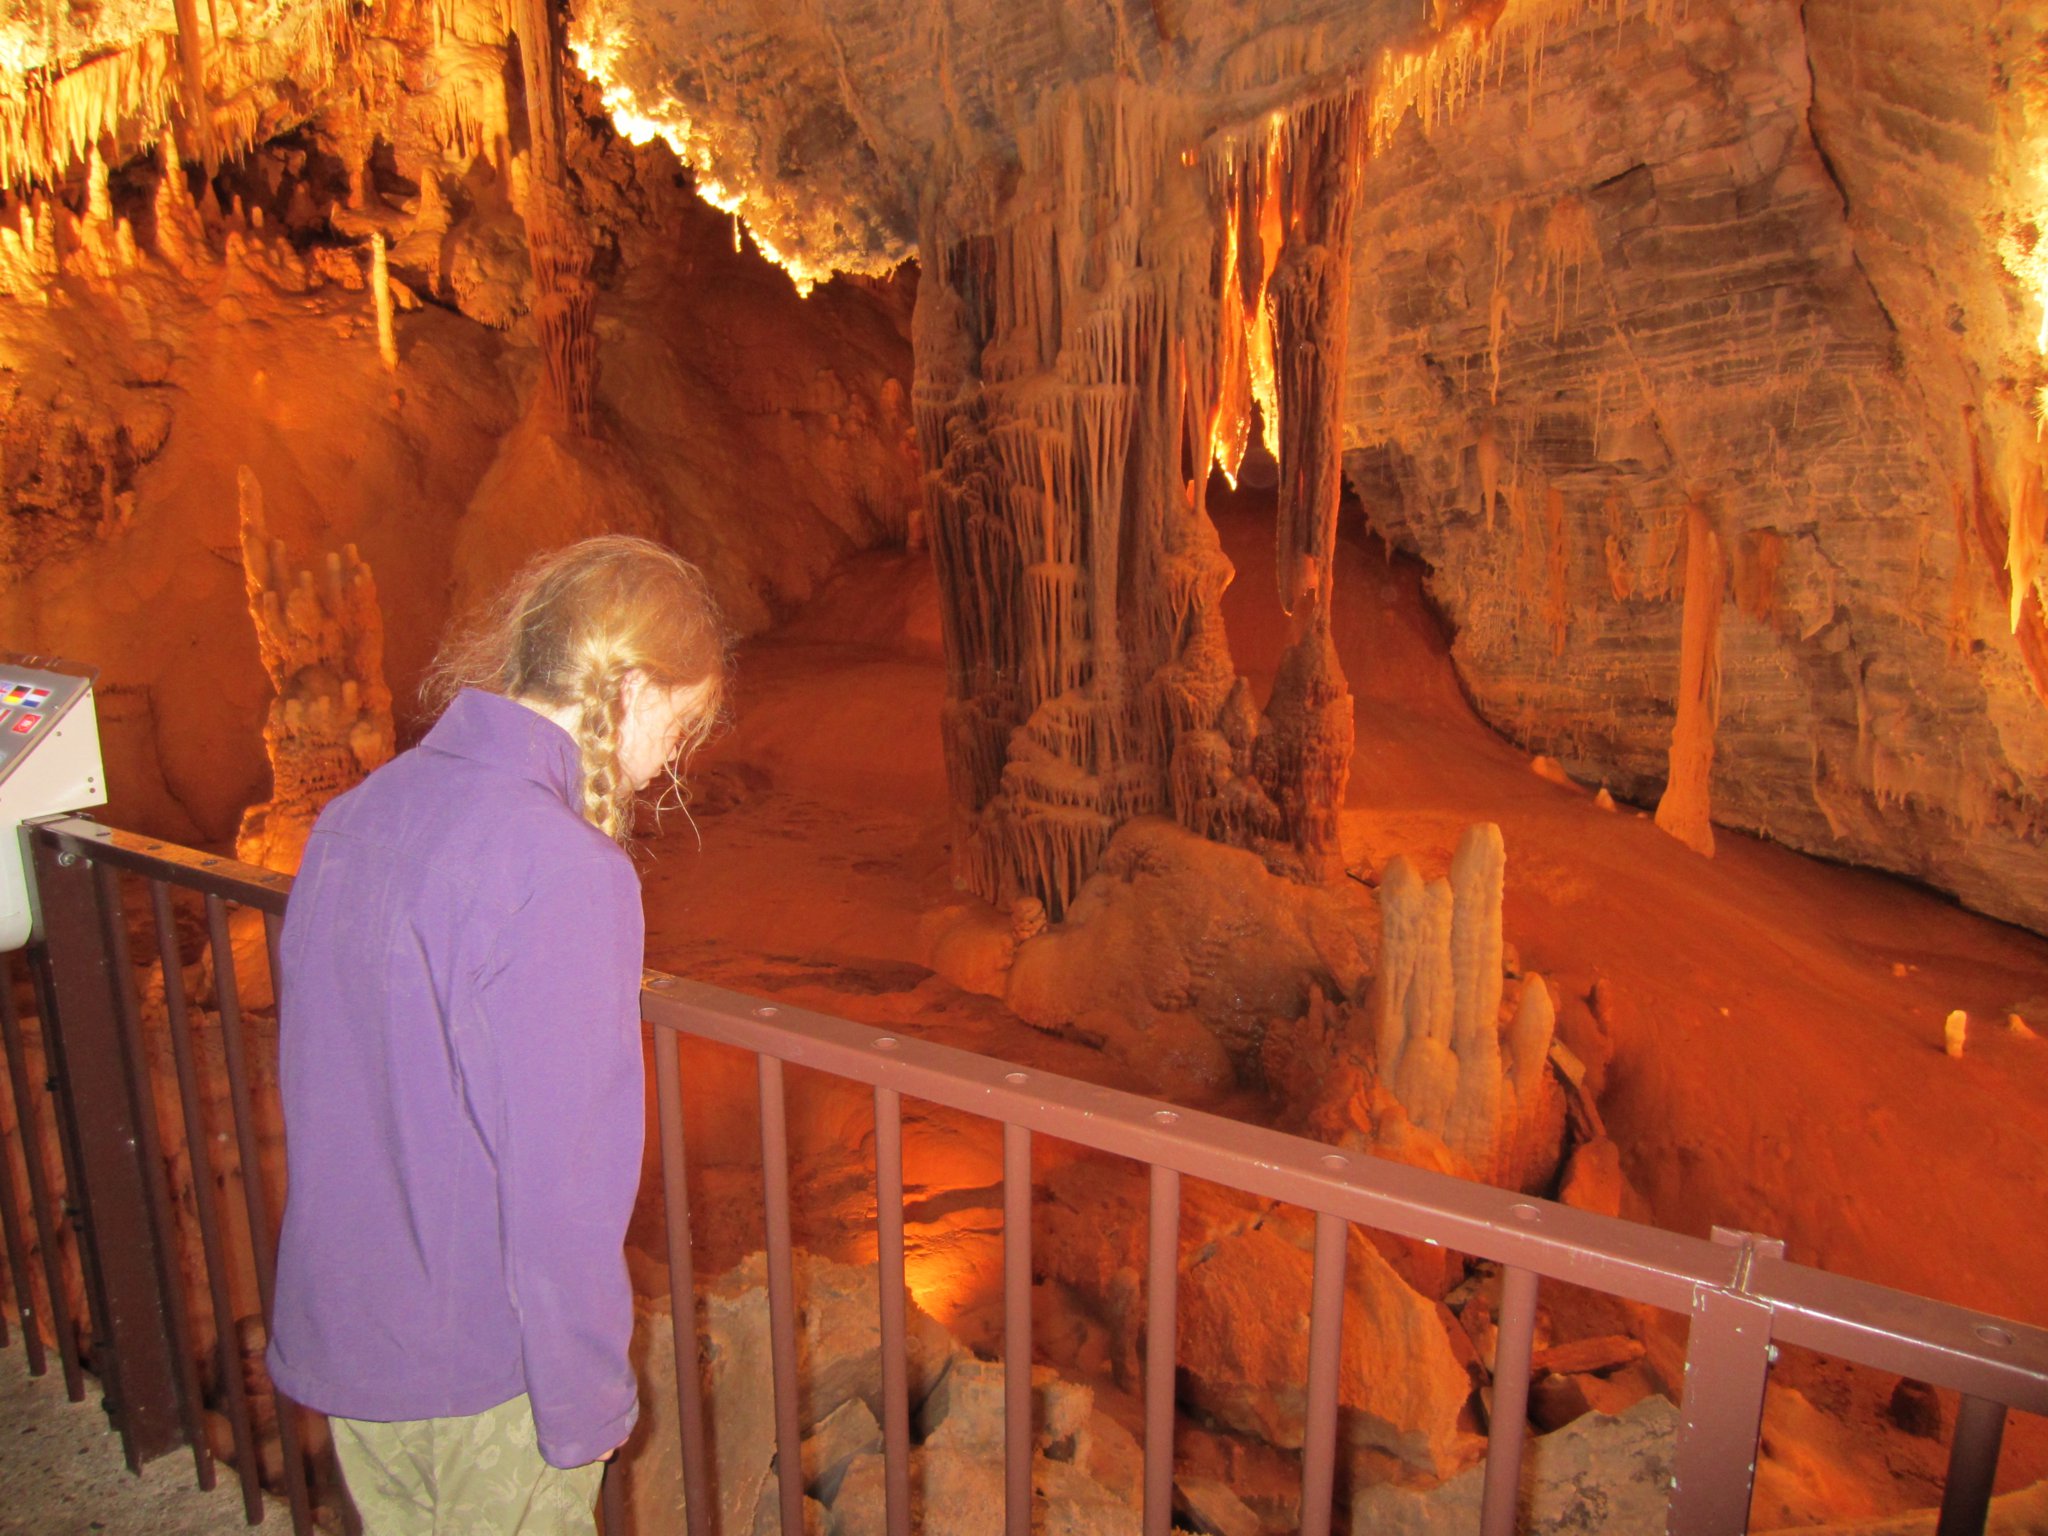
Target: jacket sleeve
<point x="560" y="1027"/>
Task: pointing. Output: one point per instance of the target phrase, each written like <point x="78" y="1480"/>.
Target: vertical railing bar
<point x="781" y="1295"/>
<point x="1508" y="1422"/>
<point x="612" y="1499"/>
<point x="10" y="1212"/>
<point x="47" y="1230"/>
<point x="1017" y="1425"/>
<point x="13" y="1246"/>
<point x="1972" y="1464"/>
<point x="889" y="1276"/>
<point x="262" y="1242"/>
<point x="273" y="926"/>
<point x="287" y="1410"/>
<point x="149" y="1136"/>
<point x="1325" y="1373"/>
<point x="1162" y="1326"/>
<point x="682" y="1280"/>
<point x="211" y="1245"/>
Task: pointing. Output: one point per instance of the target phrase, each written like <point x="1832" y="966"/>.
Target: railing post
<point x="97" y="1083"/>
<point x="1508" y="1420"/>
<point x="1728" y="1358"/>
<point x="1017" y="1426"/>
<point x="1972" y="1464"/>
<point x="1325" y="1374"/>
<point x="10" y="1211"/>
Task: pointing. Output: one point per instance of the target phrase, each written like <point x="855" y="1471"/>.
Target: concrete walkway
<point x="62" y="1472"/>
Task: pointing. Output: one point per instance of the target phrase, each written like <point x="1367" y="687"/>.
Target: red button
<point x="26" y="724"/>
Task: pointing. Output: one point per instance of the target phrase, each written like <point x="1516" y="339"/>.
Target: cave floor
<point x="61" y="1465"/>
<point x="1775" y="1021"/>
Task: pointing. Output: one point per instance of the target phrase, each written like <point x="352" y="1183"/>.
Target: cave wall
<point x="1702" y="263"/>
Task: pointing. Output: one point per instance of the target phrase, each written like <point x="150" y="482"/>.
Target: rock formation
<point x="956" y="1402"/>
<point x="1242" y="1360"/>
<point x="1599" y="1476"/>
<point x="322" y="644"/>
<point x="1083" y="356"/>
<point x="1441" y="1046"/>
<point x="1685" y="810"/>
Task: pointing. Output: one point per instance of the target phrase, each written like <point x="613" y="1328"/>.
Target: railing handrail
<point x="251" y="885"/>
<point x="1916" y="1336"/>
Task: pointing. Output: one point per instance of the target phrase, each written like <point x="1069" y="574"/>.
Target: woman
<point x="460" y="1057"/>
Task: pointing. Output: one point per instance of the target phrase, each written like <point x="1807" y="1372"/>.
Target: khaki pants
<point x="476" y="1476"/>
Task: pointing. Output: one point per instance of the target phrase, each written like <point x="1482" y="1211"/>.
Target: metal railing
<point x="1742" y="1298"/>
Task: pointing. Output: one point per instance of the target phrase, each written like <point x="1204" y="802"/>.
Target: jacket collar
<point x="489" y="728"/>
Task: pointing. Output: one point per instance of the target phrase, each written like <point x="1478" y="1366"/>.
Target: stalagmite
<point x="1436" y="1019"/>
<point x="1303" y="755"/>
<point x="1415" y="994"/>
<point x="1529" y="1039"/>
<point x="322" y="646"/>
<point x="1685" y="810"/>
<point x="1954" y="1030"/>
<point x="1477" y="870"/>
<point x="380" y="290"/>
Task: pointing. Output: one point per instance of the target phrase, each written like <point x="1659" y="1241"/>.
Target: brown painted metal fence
<point x="114" y="1259"/>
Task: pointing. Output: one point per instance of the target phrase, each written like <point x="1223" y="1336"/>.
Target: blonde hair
<point x="566" y="633"/>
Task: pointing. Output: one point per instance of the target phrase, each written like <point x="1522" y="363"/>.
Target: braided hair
<point x="567" y="632"/>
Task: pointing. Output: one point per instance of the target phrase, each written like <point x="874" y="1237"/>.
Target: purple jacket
<point x="463" y="1089"/>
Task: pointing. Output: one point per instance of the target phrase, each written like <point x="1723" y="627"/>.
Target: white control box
<point x="49" y="764"/>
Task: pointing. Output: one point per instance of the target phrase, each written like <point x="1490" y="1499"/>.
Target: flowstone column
<point x="1304" y="757"/>
<point x="1086" y="346"/>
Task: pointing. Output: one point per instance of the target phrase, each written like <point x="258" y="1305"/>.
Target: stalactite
<point x="1992" y="528"/>
<point x="1569" y="242"/>
<point x="56" y="110"/>
<point x="197" y="109"/>
<point x="1311" y="297"/>
<point x="565" y="297"/>
<point x="2026" y="536"/>
<point x="1685" y="811"/>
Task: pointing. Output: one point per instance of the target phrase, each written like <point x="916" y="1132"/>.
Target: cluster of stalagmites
<point x="1085" y="351"/>
<point x="1438" y="1038"/>
<point x="321" y="640"/>
<point x="1438" y="1061"/>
